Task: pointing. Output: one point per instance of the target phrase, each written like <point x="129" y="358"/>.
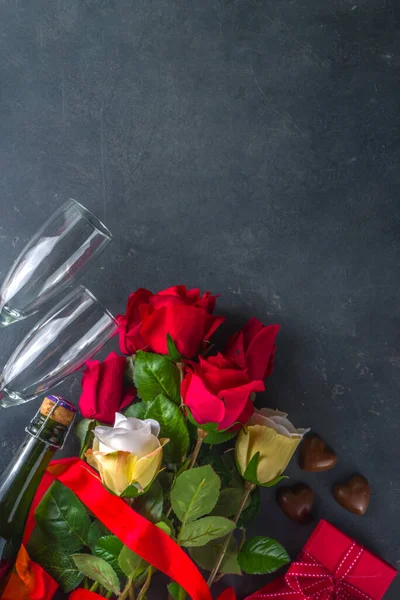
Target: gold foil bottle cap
<point x="63" y="413"/>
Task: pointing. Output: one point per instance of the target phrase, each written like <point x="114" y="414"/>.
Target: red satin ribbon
<point x="136" y="532"/>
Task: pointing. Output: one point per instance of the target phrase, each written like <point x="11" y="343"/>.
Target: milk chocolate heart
<point x="316" y="455"/>
<point x="296" y="502"/>
<point x="354" y="494"/>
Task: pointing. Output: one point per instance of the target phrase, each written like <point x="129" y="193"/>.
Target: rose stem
<point x="94" y="587"/>
<point x="248" y="488"/>
<point x="125" y="591"/>
<point x="201" y="434"/>
<point x="146" y="584"/>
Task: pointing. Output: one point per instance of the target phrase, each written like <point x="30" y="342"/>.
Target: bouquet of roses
<point x="153" y="423"/>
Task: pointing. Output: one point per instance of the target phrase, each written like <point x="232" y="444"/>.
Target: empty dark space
<point x="247" y="147"/>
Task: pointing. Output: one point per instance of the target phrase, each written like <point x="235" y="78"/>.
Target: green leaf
<point x="202" y="531"/>
<point x="109" y="548"/>
<point x="130" y="563"/>
<point x="176" y="591"/>
<point x="132" y="491"/>
<point x="63" y="518"/>
<point x="217" y="437"/>
<point x="164" y="527"/>
<point x="252" y="509"/>
<point x="173" y="350"/>
<point x="206" y="556"/>
<point x="261" y="555"/>
<point x="251" y="470"/>
<point x="136" y="410"/>
<point x="195" y="493"/>
<point x="168" y="523"/>
<point x="98" y="570"/>
<point x="96" y="531"/>
<point x="274" y="481"/>
<point x="84" y="432"/>
<point x="130" y="368"/>
<point x="151" y="504"/>
<point x="229" y="502"/>
<point x="225" y="467"/>
<point x="172" y="425"/>
<point x="60" y="566"/>
<point x="155" y="374"/>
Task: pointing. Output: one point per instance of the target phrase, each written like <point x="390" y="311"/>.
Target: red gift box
<point x="331" y="566"/>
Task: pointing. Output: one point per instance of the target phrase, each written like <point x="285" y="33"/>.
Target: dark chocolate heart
<point x="354" y="494"/>
<point x="296" y="502"/>
<point x="316" y="455"/>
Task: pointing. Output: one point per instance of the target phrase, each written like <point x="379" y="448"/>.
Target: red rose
<point x="103" y="392"/>
<point x="183" y="314"/>
<point x="216" y="392"/>
<point x="253" y="349"/>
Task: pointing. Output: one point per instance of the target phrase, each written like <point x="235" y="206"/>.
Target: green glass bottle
<point x="18" y="484"/>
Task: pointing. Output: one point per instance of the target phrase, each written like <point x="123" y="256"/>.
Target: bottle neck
<point x="21" y="478"/>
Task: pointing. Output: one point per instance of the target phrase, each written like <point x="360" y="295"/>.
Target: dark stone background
<point x="248" y="147"/>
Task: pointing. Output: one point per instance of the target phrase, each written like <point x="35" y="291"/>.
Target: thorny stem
<point x="201" y="435"/>
<point x="146" y="584"/>
<point x="248" y="488"/>
<point x="124" y="594"/>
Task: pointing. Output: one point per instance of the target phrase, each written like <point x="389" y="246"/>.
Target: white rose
<point x="127" y="454"/>
<point x="129" y="435"/>
<point x="278" y="421"/>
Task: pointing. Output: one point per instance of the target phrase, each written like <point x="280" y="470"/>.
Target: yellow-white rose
<point x="129" y="453"/>
<point x="272" y="435"/>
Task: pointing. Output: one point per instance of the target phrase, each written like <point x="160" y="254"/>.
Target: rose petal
<point x="139" y="443"/>
<point x="260" y="351"/>
<point x="204" y="406"/>
<point x="185" y="324"/>
<point x="236" y="401"/>
<point x="147" y="467"/>
<point x="235" y="351"/>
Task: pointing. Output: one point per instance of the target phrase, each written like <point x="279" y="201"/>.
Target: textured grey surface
<point x="249" y="147"/>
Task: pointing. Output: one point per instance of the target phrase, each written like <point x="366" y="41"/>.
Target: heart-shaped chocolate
<point x="316" y="455"/>
<point x="296" y="502"/>
<point x="354" y="494"/>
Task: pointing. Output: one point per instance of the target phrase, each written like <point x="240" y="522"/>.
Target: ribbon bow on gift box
<point x="313" y="580"/>
<point x="309" y="579"/>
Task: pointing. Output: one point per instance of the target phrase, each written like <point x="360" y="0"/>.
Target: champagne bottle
<point x="18" y="484"/>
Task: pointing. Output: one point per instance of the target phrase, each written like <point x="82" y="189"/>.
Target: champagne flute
<point x="71" y="333"/>
<point x="57" y="253"/>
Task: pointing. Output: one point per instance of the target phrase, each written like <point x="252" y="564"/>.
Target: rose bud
<point x="129" y="453"/>
<point x="264" y="448"/>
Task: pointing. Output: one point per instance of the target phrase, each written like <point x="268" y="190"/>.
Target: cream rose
<point x="129" y="453"/>
<point x="270" y="434"/>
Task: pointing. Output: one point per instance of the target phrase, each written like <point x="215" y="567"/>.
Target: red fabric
<point x="331" y="566"/>
<point x="103" y="392"/>
<point x="216" y="391"/>
<point x="30" y="581"/>
<point x="81" y="594"/>
<point x="141" y="536"/>
<point x="183" y="314"/>
<point x="253" y="349"/>
<point x="228" y="594"/>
